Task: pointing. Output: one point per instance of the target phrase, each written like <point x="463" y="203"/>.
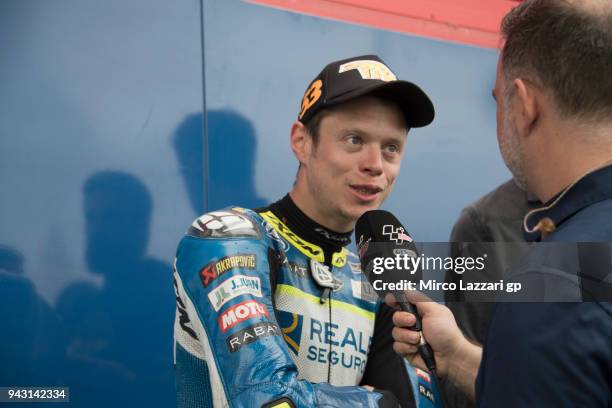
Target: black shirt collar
<point x="590" y="189"/>
<point x="305" y="227"/>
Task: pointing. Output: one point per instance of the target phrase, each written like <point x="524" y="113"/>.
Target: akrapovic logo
<point x="241" y="312"/>
<point x="234" y="287"/>
<point x="211" y="271"/>
<point x="252" y="333"/>
<point x="235" y="261"/>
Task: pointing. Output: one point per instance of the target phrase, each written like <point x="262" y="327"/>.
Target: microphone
<point x="387" y="250"/>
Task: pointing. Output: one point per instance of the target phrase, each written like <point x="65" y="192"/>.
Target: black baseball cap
<point x="347" y="79"/>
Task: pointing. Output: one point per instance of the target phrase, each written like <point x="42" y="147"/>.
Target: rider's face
<point x="353" y="166"/>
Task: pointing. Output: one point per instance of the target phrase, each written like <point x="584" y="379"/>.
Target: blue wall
<point x="104" y="160"/>
<point x="93" y="202"/>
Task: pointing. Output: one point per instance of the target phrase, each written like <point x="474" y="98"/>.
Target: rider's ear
<point x="301" y="142"/>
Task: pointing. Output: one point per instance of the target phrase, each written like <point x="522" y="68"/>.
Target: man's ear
<point x="301" y="142"/>
<point x="527" y="106"/>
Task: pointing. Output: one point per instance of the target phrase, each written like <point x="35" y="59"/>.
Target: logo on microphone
<point x="398" y="235"/>
<point x="362" y="246"/>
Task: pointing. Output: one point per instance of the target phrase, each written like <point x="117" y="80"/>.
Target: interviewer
<point x="554" y="127"/>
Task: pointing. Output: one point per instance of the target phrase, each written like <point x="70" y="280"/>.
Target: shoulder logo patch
<point x="216" y="268"/>
<point x="239" y="313"/>
<point x="251" y="334"/>
<point x="223" y="224"/>
<point x="233" y="287"/>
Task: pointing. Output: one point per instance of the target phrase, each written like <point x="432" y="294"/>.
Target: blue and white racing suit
<point x="254" y="329"/>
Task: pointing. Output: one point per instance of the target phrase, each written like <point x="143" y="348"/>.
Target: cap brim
<point x="416" y="105"/>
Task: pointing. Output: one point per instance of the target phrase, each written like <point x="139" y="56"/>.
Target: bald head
<point x="565" y="47"/>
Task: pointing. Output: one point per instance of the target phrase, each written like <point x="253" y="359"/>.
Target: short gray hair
<point x="566" y="48"/>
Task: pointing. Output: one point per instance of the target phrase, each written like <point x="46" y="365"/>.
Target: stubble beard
<point x="512" y="150"/>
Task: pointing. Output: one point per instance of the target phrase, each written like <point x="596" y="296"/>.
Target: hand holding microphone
<point x="438" y="326"/>
<point x="456" y="358"/>
<point x="380" y="235"/>
<point x="380" y="238"/>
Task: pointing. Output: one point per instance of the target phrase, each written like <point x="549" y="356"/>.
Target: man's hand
<point x="439" y="328"/>
<point x="455" y="356"/>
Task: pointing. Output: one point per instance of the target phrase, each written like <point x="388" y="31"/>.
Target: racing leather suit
<point x="273" y="312"/>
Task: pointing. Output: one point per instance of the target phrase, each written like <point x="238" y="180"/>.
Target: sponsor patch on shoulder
<point x="232" y="288"/>
<point x="211" y="271"/>
<point x="225" y="223"/>
<point x="251" y="334"/>
<point x="241" y="312"/>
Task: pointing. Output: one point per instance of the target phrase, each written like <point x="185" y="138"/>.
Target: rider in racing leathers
<point x="273" y="310"/>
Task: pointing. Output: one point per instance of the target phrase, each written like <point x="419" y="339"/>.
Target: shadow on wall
<point x="32" y="341"/>
<point x="119" y="348"/>
<point x="232" y="144"/>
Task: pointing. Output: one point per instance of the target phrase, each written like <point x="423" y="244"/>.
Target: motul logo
<point x="241" y="312"/>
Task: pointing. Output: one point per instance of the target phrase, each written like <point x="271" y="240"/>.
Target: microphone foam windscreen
<point x="389" y="257"/>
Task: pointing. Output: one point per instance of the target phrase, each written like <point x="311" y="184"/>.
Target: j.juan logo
<point x="234" y="287"/>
